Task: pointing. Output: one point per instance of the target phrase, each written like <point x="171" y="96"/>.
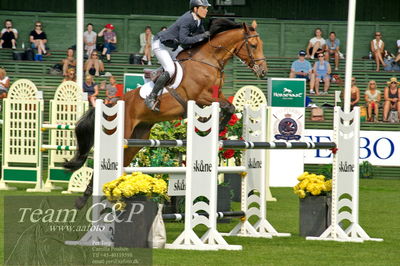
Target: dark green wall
<point x="367" y="10"/>
<point x="281" y="37"/>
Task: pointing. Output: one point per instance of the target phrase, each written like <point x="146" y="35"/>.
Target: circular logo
<point x="287" y="127"/>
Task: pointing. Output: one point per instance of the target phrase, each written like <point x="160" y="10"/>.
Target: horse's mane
<point x="220" y="25"/>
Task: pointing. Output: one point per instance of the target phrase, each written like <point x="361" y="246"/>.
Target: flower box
<point x="314" y="215"/>
<point x="234" y="182"/>
<point x="133" y="228"/>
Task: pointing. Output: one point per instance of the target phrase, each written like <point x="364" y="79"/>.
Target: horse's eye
<point x="254" y="46"/>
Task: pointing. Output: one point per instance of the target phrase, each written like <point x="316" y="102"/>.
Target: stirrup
<point x="152" y="103"/>
<point x="155" y="107"/>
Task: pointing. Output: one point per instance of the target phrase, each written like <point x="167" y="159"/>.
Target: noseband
<point x="252" y="61"/>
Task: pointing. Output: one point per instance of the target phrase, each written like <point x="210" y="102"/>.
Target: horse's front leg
<point x="227" y="110"/>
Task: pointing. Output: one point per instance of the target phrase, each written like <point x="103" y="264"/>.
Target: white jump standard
<point x="202" y="169"/>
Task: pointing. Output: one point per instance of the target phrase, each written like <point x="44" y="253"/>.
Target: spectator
<point x="355" y="94"/>
<point x="110" y="39"/>
<point x="378" y="50"/>
<point x="332" y="49"/>
<point x="372" y="99"/>
<point x="398" y="52"/>
<point x="69" y="61"/>
<point x="94" y="66"/>
<point x="301" y="68"/>
<point x="89" y="39"/>
<point x="316" y="44"/>
<point x="163" y="28"/>
<point x="322" y="71"/>
<point x="114" y="91"/>
<point x="8" y="35"/>
<point x="71" y="75"/>
<point x="38" y="38"/>
<point x="146" y="38"/>
<point x="391" y="97"/>
<point x="4" y="83"/>
<point x="91" y="88"/>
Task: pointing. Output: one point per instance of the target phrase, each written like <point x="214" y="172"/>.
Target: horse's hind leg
<point x="141" y="131"/>
<point x="227" y="110"/>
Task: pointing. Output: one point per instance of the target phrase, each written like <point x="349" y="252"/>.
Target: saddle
<point x="170" y="86"/>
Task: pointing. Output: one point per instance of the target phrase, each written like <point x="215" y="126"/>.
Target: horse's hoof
<point x="80" y="202"/>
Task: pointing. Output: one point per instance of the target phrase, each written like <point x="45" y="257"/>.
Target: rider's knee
<point x="170" y="70"/>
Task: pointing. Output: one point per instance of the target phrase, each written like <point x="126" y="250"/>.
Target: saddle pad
<point x="146" y="89"/>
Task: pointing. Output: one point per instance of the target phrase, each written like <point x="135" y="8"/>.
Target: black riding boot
<point x="151" y="100"/>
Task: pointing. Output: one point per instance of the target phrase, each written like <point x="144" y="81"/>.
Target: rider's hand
<point x="204" y="35"/>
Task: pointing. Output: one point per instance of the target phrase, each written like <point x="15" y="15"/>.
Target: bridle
<point x="236" y="52"/>
<point x="252" y="63"/>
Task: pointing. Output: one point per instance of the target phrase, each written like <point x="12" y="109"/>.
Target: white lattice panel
<point x="22" y="140"/>
<point x="22" y="89"/>
<point x="66" y="108"/>
<point x="248" y="95"/>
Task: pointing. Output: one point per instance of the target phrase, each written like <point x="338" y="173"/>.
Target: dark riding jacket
<point x="185" y="31"/>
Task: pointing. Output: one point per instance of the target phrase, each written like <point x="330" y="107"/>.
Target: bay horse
<point x="203" y="68"/>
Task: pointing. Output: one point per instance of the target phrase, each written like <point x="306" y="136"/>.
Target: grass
<point x="379" y="216"/>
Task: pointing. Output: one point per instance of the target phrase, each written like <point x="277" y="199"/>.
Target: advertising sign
<point x="285" y="124"/>
<point x="286" y="92"/>
<point x="377" y="147"/>
<point x="132" y="81"/>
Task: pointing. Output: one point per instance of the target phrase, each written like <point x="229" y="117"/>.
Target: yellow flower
<point x="315" y="191"/>
<point x="301" y="193"/>
<point x="303" y="184"/>
<point x="328" y="185"/>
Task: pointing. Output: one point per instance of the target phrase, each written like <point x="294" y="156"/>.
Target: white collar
<point x="196" y="18"/>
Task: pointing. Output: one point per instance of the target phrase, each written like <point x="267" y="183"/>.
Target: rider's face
<point x="202" y="11"/>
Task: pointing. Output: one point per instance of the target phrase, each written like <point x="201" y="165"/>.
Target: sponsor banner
<point x="286" y="92"/>
<point x="285" y="124"/>
<point x="132" y="81"/>
<point x="381" y="148"/>
<point x="177" y="185"/>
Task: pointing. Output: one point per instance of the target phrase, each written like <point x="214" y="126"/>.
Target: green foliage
<point x="325" y="170"/>
<point x="163" y="156"/>
<point x="177" y="130"/>
<point x="366" y="170"/>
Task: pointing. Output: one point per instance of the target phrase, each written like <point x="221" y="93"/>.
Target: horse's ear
<point x="246" y="29"/>
<point x="254" y="24"/>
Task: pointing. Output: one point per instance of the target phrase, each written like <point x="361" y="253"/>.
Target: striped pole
<point x="234" y="144"/>
<point x="50" y="126"/>
<point x="58" y="147"/>
<point x="220" y="215"/>
<point x="240" y="144"/>
<point x="154" y="143"/>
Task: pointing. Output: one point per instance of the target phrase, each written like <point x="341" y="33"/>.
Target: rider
<point x="187" y="30"/>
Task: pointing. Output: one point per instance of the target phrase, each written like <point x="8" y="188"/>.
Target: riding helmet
<point x="195" y="3"/>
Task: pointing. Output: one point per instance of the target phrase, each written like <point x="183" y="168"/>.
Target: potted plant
<point x="314" y="192"/>
<point x="366" y="170"/>
<point x="136" y="198"/>
<point x="171" y="156"/>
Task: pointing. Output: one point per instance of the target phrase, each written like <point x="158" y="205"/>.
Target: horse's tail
<point x="84" y="132"/>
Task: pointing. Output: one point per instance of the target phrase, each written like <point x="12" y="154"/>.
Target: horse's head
<point x="250" y="50"/>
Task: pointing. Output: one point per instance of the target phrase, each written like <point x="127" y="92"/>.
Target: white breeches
<point x="166" y="56"/>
